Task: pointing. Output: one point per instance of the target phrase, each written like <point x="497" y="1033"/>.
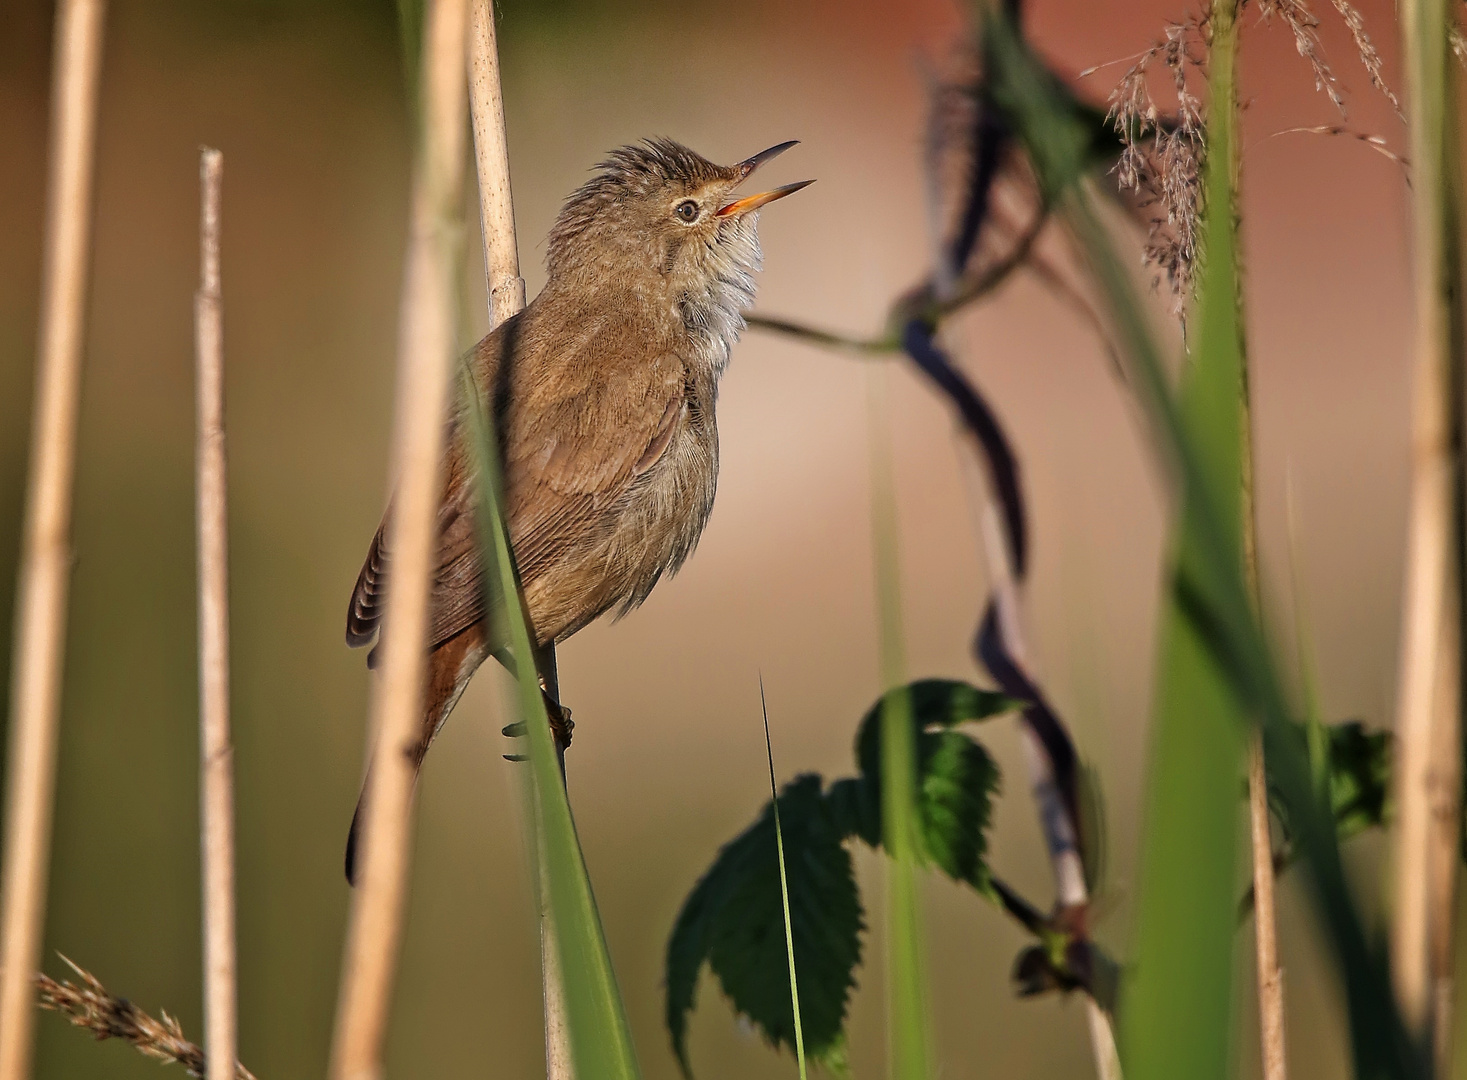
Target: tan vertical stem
<point x="1270" y="976"/>
<point x="1445" y="839"/>
<point x="45" y="557"/>
<point x="491" y="156"/>
<point x="216" y="755"/>
<point x="425" y="352"/>
<point x="1428" y="693"/>
<point x="506" y="292"/>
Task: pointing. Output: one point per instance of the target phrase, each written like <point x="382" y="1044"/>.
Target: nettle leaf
<point x="957" y="779"/>
<point x="734" y="921"/>
<point x="943" y="703"/>
<point x="1359" y="777"/>
<point x="1358" y="762"/>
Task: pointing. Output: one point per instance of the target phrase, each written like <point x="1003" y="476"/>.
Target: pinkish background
<point x="306" y="101"/>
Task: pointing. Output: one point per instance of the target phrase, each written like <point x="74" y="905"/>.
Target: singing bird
<point x="603" y="390"/>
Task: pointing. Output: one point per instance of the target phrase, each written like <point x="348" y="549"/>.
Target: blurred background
<point x="306" y="99"/>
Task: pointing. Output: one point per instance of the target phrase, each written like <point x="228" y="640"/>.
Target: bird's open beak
<point x="753" y="202"/>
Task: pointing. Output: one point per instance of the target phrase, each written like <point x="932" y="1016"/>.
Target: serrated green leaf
<point x="855" y="810"/>
<point x="957" y="781"/>
<point x="947" y="703"/>
<point x="956" y="778"/>
<point x="734" y="921"/>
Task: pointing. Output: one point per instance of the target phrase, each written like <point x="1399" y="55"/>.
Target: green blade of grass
<point x="601" y="1041"/>
<point x="910" y="1050"/>
<point x="784" y="887"/>
<point x="1177" y="1016"/>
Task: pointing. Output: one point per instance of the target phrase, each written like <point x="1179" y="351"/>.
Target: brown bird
<point x="603" y="392"/>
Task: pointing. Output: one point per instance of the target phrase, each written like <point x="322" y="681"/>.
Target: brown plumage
<point x="603" y="393"/>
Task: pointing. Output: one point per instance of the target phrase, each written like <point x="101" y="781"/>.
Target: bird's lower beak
<point x="753" y="202"/>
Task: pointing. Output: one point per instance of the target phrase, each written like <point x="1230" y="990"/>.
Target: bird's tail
<point x="450" y="666"/>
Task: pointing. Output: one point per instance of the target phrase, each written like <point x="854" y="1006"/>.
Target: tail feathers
<point x="450" y="666"/>
<point x="352" y="836"/>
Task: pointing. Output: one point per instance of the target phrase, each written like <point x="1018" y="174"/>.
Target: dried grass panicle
<point x="1369" y="57"/>
<point x="1305" y="26"/>
<point x="1374" y="142"/>
<point x="1164" y="149"/>
<point x="91" y="1006"/>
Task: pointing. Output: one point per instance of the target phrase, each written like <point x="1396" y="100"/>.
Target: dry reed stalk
<point x="1445" y="843"/>
<point x="91" y="1006"/>
<point x="425" y="354"/>
<point x="1429" y="694"/>
<point x="491" y="156"/>
<point x="1270" y="975"/>
<point x="45" y="558"/>
<point x="216" y="755"/>
<point x="506" y="293"/>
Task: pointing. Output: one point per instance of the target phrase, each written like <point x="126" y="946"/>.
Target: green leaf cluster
<point x="1359" y="777"/>
<point x="1355" y="773"/>
<point x="733" y="919"/>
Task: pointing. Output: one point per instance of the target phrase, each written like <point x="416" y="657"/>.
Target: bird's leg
<point x="561" y="724"/>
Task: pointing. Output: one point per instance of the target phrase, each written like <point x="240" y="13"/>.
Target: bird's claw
<point x="561" y="727"/>
<point x="561" y="724"/>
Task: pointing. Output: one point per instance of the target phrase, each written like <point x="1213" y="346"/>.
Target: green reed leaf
<point x="908" y="1035"/>
<point x="1177" y="1018"/>
<point x="601" y="1041"/>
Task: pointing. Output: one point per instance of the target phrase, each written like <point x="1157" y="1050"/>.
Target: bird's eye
<point x="687" y="210"/>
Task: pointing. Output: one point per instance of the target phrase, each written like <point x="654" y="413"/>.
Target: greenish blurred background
<point x="306" y="100"/>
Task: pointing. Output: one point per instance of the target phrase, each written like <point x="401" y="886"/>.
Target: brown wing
<point x="586" y="414"/>
<point x="583" y="438"/>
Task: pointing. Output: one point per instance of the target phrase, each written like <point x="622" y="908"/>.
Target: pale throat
<point x="714" y="289"/>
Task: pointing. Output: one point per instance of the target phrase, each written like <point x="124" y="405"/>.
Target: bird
<point x="603" y="392"/>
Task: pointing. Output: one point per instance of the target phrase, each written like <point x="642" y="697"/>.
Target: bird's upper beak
<point x="753" y="202"/>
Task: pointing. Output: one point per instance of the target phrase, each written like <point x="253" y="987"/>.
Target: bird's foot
<point x="561" y="727"/>
<point x="561" y="724"/>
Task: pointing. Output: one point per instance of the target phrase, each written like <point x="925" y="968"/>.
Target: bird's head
<point x="659" y="216"/>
